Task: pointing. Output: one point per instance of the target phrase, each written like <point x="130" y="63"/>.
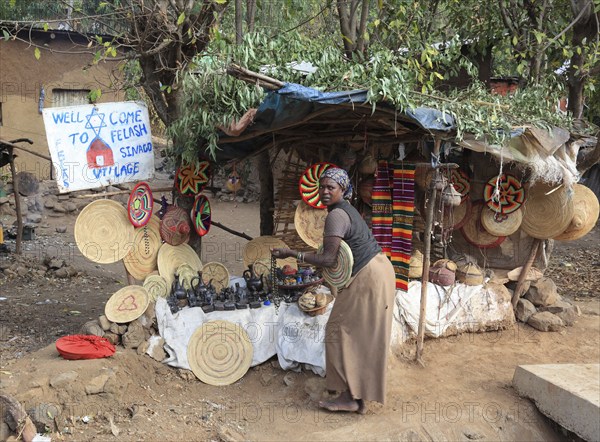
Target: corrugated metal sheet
<point x="70" y="97"/>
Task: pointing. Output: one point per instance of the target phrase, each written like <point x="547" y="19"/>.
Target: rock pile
<point x="15" y="266"/>
<point x="140" y="334"/>
<point x="543" y="308"/>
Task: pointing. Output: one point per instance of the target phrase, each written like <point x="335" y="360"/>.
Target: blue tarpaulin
<point x="292" y="104"/>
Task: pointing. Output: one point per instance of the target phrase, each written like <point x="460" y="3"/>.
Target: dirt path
<point x="463" y="393"/>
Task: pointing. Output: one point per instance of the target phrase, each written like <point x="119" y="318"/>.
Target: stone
<point x="545" y="321"/>
<point x="34" y="218"/>
<point x="49" y="203"/>
<point x="226" y="434"/>
<point x="524" y="310"/>
<point x="22" y="271"/>
<point x="566" y="393"/>
<point x="117" y="328"/>
<point x="266" y="378"/>
<point x="156" y="348"/>
<point x="69" y="207"/>
<point x="411" y="435"/>
<point x="113" y="338"/>
<point x="290" y="379"/>
<point x="54" y="263"/>
<point x="61" y="229"/>
<point x="58" y="208"/>
<point x="96" y="385"/>
<point x="104" y="322"/>
<point x="143" y="348"/>
<point x="43" y="416"/>
<point x="61" y="273"/>
<point x="134" y="335"/>
<point x="4" y="431"/>
<point x="568" y="316"/>
<point x="558" y="307"/>
<point x="64" y="378"/>
<point x="3" y="200"/>
<point x="542" y="292"/>
<point x="7" y="210"/>
<point x="92" y="328"/>
<point x="314" y="387"/>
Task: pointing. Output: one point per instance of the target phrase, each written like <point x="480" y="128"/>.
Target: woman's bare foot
<point x="344" y="402"/>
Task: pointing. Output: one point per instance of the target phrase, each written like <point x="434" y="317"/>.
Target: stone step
<point x="569" y="394"/>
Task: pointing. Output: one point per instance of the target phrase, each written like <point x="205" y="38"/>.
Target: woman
<point x="359" y="327"/>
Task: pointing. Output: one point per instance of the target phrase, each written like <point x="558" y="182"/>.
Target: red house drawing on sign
<point x="99" y="154"/>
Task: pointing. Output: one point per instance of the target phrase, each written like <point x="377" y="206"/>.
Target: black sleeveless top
<point x="360" y="239"/>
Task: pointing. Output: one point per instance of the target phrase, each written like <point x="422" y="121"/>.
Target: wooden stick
<point x="120" y="192"/>
<point x="227" y="229"/>
<point x="252" y="77"/>
<point x="426" y="256"/>
<point x="13" y="172"/>
<point x="524" y="271"/>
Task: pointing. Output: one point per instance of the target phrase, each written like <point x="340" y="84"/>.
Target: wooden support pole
<point x="426" y="256"/>
<point x="13" y="172"/>
<point x="524" y="271"/>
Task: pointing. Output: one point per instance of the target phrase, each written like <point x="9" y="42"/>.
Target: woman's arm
<point x="328" y="258"/>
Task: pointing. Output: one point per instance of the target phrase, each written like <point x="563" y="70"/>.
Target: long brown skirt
<point x="358" y="332"/>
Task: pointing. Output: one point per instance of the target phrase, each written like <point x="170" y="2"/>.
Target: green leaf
<point x="5" y="34"/>
<point x="37" y="53"/>
<point x="515" y="40"/>
<point x="220" y="2"/>
<point x="181" y="18"/>
<point x="45" y="27"/>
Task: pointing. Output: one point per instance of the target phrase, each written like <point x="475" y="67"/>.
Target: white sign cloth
<point x="98" y="145"/>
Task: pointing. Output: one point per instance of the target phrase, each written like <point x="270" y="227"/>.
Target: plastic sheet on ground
<point x="457" y="308"/>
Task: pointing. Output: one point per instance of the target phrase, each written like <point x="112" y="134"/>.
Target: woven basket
<point x="442" y="272"/>
<point x="470" y="274"/>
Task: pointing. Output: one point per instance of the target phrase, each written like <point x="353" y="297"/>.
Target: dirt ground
<point x="462" y="393"/>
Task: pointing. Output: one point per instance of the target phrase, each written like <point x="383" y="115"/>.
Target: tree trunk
<point x="267" y="198"/>
<point x="239" y="14"/>
<point x="250" y="14"/>
<point x="584" y="29"/>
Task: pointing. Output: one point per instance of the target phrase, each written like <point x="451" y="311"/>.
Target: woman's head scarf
<point x="341" y="177"/>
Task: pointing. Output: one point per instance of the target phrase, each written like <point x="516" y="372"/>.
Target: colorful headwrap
<point x="341" y="177"/>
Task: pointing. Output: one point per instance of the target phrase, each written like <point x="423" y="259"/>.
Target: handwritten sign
<point x="98" y="145"/>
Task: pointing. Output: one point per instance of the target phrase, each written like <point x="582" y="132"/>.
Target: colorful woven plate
<point x="217" y="273"/>
<point x="127" y="304"/>
<point x="201" y="215"/>
<point x="474" y="232"/>
<point x="511" y="196"/>
<point x="140" y="205"/>
<point x="460" y="180"/>
<point x="339" y="275"/>
<point x="220" y="352"/>
<point x="309" y="184"/>
<point x="260" y="248"/>
<point x="191" y="180"/>
<point x="310" y="223"/>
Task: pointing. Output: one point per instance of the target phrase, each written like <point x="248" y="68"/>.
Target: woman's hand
<point x="281" y="253"/>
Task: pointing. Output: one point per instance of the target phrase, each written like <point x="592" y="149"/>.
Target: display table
<point x="299" y="340"/>
<point x="296" y="338"/>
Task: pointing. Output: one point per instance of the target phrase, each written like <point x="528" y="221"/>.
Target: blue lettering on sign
<point x="66" y="117"/>
<point x="117" y="170"/>
<point x="126" y="117"/>
<point x="126" y="133"/>
<point x="130" y="151"/>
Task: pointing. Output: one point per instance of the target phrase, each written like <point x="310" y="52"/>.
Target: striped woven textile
<point x="381" y="219"/>
<point x="403" y="209"/>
